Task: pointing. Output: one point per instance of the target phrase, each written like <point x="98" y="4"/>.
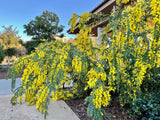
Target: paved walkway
<point x="5" y="86"/>
<point x="58" y="110"/>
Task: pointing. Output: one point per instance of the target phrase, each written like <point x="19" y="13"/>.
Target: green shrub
<point x="1" y="53"/>
<point x="151" y="82"/>
<point x="11" y="52"/>
<point x="147" y="107"/>
<point x="30" y="45"/>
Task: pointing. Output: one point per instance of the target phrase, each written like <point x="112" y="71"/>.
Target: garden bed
<point x="4" y="70"/>
<point x="114" y="110"/>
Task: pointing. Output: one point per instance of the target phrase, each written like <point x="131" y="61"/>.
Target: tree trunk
<point x="8" y="61"/>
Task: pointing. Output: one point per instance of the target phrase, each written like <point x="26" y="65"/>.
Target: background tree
<point x="10" y="41"/>
<point x="21" y="42"/>
<point x="1" y="53"/>
<point x="30" y="45"/>
<point x="44" y="26"/>
<point x="9" y="37"/>
<point x="11" y="52"/>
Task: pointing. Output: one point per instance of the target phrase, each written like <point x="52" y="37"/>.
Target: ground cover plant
<point x="127" y="64"/>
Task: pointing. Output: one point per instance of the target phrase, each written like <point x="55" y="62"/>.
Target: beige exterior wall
<point x="64" y="39"/>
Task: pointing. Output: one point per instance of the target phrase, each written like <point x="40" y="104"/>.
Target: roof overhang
<point x="105" y="8"/>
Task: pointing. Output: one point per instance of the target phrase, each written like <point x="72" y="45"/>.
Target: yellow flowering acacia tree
<point x="128" y="61"/>
<point x="46" y="72"/>
<point x="129" y="58"/>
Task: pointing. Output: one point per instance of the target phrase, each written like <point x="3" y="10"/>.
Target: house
<point x="105" y="8"/>
<point x="61" y="38"/>
<point x="73" y="41"/>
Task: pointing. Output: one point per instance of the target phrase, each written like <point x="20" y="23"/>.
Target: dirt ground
<point x="3" y="74"/>
<point x="115" y="111"/>
<point x="4" y="70"/>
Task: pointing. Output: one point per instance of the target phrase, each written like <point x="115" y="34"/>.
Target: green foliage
<point x="11" y="52"/>
<point x="147" y="107"/>
<point x="21" y="42"/>
<point x="44" y="26"/>
<point x="151" y="82"/>
<point x="30" y="45"/>
<point x="1" y="53"/>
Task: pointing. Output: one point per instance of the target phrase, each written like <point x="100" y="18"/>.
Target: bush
<point x="1" y="53"/>
<point x="11" y="52"/>
<point x="127" y="60"/>
<point x="147" y="107"/>
<point x="30" y="45"/>
<point x="151" y="81"/>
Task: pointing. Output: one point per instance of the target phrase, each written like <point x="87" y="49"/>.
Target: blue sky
<point x="20" y="12"/>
